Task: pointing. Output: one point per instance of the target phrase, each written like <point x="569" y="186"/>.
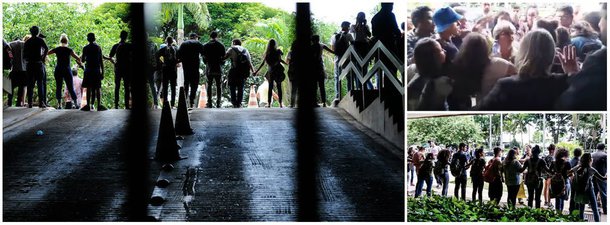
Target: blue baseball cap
<point x="444" y="17"/>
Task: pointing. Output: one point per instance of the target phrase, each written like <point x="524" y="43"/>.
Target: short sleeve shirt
<point x="63" y="56"/>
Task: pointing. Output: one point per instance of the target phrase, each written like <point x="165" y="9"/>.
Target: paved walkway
<point x="244" y="163"/>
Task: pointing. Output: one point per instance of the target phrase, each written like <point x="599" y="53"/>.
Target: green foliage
<point x="442" y="209"/>
<point x="558" y="124"/>
<point x="120" y="10"/>
<point x="75" y="20"/>
<point x="588" y="129"/>
<point x="570" y="146"/>
<point x="196" y="17"/>
<point x="538" y="136"/>
<point x="445" y="130"/>
<point x="515" y="143"/>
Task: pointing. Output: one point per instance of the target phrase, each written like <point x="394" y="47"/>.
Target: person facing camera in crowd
<point x="447" y="23"/>
<point x="587" y="90"/>
<point x="503" y="34"/>
<point x="424" y="27"/>
<point x="584" y="39"/>
<point x="428" y="89"/>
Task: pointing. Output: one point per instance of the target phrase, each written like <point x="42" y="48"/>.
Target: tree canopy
<point x="568" y="130"/>
<point x="444" y="130"/>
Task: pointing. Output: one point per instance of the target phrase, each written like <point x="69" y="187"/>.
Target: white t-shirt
<point x="434" y="150"/>
<point x="77" y="83"/>
<point x="497" y="68"/>
<point x="263" y="91"/>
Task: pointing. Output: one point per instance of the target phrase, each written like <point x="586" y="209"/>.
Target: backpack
<point x="6" y="57"/>
<point x="242" y="63"/>
<point x="341" y="44"/>
<point x="426" y="168"/>
<point x="477" y="167"/>
<point x="533" y="175"/>
<point x="588" y="48"/>
<point x="454" y="167"/>
<point x="170" y="56"/>
<point x="558" y="185"/>
<point x="550" y="163"/>
<point x="580" y="184"/>
<point x="438" y="168"/>
<point x="489" y="175"/>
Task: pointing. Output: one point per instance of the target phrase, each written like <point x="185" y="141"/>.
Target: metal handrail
<point x="356" y="63"/>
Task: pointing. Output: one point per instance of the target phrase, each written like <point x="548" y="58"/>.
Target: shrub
<point x="443" y="209"/>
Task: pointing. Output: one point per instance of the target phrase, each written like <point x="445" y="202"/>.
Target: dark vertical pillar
<point x="307" y="124"/>
<point x="135" y="149"/>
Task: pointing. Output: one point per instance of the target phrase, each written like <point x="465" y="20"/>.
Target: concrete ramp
<point x="241" y="166"/>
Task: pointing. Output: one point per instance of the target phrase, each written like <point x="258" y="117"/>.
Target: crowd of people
<point x="26" y="61"/>
<point x="581" y="180"/>
<point x="507" y="59"/>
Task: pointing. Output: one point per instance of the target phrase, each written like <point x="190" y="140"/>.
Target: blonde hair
<point x="536" y="54"/>
<point x="63" y="39"/>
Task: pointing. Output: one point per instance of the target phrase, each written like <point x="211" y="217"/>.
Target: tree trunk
<point x="179" y="40"/>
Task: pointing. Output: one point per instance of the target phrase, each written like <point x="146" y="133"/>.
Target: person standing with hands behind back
<point x="189" y="53"/>
<point x="241" y="66"/>
<point x="35" y="66"/>
<point x="169" y="63"/>
<point x="94" y="73"/>
<point x="213" y="56"/>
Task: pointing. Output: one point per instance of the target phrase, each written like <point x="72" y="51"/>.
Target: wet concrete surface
<point x="244" y="162"/>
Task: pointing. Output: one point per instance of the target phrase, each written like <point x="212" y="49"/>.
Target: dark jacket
<point x="515" y="93"/>
<point x="587" y="90"/>
<point x="190" y="51"/>
<point x="213" y="53"/>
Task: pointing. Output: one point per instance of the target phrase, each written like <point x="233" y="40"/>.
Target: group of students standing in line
<point x="579" y="180"/>
<point x="165" y="60"/>
<point x="26" y="60"/>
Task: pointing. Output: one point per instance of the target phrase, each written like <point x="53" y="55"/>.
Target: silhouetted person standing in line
<point x="168" y="64"/>
<point x="63" y="70"/>
<point x="385" y="29"/>
<point x="18" y="73"/>
<point x="122" y="68"/>
<point x="275" y="72"/>
<point x="320" y="75"/>
<point x="213" y="53"/>
<point x="189" y="53"/>
<point x="151" y="47"/>
<point x="34" y="52"/>
<point x="340" y="43"/>
<point x="241" y="66"/>
<point x="94" y="73"/>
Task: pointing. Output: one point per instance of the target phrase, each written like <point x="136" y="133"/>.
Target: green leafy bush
<point x="443" y="209"/>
